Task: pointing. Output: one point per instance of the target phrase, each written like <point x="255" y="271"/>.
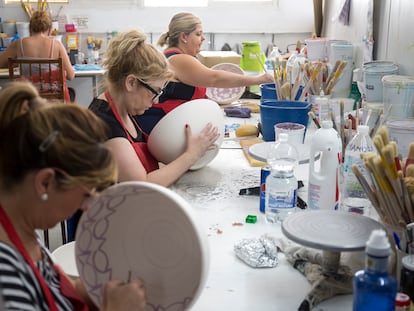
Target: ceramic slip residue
<point x="215" y="186"/>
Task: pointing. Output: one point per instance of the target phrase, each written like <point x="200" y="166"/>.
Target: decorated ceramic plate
<point x="167" y="140"/>
<point x="226" y="95"/>
<point x="139" y="229"/>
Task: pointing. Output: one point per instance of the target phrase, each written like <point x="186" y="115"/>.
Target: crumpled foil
<point x="257" y="253"/>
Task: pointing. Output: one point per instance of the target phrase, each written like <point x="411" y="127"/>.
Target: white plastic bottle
<point x="281" y="184"/>
<point x="323" y="190"/>
<point x="353" y="197"/>
<point x="275" y="57"/>
<point x="374" y="288"/>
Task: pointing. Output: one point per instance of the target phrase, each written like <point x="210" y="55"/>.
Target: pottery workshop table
<point x="85" y="83"/>
<point x="231" y="284"/>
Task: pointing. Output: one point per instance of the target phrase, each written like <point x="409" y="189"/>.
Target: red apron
<point x="66" y="286"/>
<point x="170" y="104"/>
<point x="141" y="148"/>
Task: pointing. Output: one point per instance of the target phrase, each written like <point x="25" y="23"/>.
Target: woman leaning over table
<point x="184" y="39"/>
<point x="39" y="45"/>
<point x="136" y="73"/>
<point x="61" y="163"/>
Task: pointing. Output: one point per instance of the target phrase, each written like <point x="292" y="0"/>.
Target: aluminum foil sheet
<point x="257" y="253"/>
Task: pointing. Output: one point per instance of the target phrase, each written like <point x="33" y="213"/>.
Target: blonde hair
<point x="180" y="22"/>
<point x="129" y="53"/>
<point x="68" y="138"/>
<point x="40" y="22"/>
<point x="12" y="98"/>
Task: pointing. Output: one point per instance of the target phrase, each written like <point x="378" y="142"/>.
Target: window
<point x="35" y="1"/>
<point x="175" y="3"/>
<point x="195" y="3"/>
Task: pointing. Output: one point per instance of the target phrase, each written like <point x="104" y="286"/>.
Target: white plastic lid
<point x="378" y="244"/>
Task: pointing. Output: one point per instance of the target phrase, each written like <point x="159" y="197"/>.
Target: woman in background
<point x="191" y="78"/>
<point x="136" y="73"/>
<point x="17" y="98"/>
<point x="61" y="163"/>
<point x="40" y="45"/>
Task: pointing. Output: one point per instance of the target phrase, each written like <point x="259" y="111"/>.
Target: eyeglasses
<point x="148" y="87"/>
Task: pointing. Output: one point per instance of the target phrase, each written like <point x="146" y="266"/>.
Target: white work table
<point x="85" y="83"/>
<point x="231" y="284"/>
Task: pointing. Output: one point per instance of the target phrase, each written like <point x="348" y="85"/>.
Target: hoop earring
<point x="44" y="197"/>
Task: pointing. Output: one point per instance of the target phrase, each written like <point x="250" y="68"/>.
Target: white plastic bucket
<point x="316" y="49"/>
<point x="343" y="51"/>
<point x="402" y="132"/>
<point x="373" y="73"/>
<point x="9" y="28"/>
<point x="399" y="91"/>
<point x="23" y="29"/>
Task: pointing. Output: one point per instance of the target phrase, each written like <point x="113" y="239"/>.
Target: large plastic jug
<point x="252" y="58"/>
<point x="323" y="188"/>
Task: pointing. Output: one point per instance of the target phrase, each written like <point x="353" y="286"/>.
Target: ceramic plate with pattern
<point x="226" y="95"/>
<point x="144" y="230"/>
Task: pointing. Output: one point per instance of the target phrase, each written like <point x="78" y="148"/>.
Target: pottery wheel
<point x="330" y="231"/>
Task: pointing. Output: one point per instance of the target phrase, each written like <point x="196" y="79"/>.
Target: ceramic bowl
<point x="224" y="96"/>
<point x="167" y="140"/>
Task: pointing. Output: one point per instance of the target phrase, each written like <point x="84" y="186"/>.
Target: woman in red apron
<point x="191" y="78"/>
<point x="136" y="73"/>
<point x="50" y="184"/>
<point x="39" y="45"/>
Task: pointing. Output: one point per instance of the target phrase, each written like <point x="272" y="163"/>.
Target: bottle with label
<point x="353" y="197"/>
<point x="91" y="54"/>
<point x="281" y="184"/>
<point x="323" y="190"/>
<point x="374" y="288"/>
<point x="274" y="57"/>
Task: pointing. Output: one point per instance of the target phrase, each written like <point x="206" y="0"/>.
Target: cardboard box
<point x="211" y="58"/>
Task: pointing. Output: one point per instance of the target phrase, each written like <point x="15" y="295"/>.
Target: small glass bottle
<point x="374" y="288"/>
<point x="281" y="184"/>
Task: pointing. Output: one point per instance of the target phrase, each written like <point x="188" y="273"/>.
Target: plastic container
<point x="399" y="91"/>
<point x="343" y="51"/>
<point x="268" y="91"/>
<point x="278" y="111"/>
<point x="316" y="49"/>
<point x="22" y="29"/>
<point x="374" y="288"/>
<point x="281" y="184"/>
<point x="9" y="27"/>
<point x="372" y="75"/>
<point x="353" y="197"/>
<point x="274" y="57"/>
<point x="402" y="132"/>
<point x="323" y="190"/>
<point x="252" y="57"/>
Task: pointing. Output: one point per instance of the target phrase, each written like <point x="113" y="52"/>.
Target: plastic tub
<point x="268" y="91"/>
<point x="402" y="132"/>
<point x="399" y="91"/>
<point x="316" y="49"/>
<point x="278" y="111"/>
<point x="373" y="73"/>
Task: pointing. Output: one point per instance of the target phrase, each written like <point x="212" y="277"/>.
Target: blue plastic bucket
<point x="373" y="73"/>
<point x="268" y="91"/>
<point x="278" y="111"/>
